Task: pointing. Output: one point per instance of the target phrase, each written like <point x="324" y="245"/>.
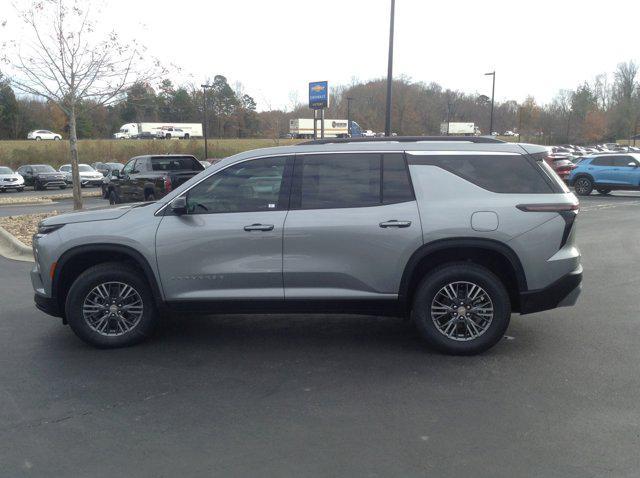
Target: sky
<point x="275" y="47"/>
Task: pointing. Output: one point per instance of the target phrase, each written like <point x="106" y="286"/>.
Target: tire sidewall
<point x="108" y="273"/>
<point x="589" y="188"/>
<point x="429" y="287"/>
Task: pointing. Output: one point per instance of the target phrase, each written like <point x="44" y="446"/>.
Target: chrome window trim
<point x="164" y="206"/>
<point x="463" y="153"/>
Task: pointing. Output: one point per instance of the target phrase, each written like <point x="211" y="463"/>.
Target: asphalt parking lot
<point x="336" y="396"/>
<point x="60" y="205"/>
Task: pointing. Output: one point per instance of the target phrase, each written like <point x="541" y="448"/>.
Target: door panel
<point x="352" y="226"/>
<point x="211" y="256"/>
<point x="345" y="253"/>
<point x="229" y="244"/>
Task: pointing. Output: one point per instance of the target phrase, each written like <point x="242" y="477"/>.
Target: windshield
<point x="43" y="168"/>
<point x="85" y="168"/>
<point x="4" y="170"/>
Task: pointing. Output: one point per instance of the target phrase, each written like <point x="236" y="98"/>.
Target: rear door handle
<point x="259" y="227"/>
<point x="394" y="223"/>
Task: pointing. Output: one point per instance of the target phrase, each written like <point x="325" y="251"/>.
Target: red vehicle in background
<point x="562" y="164"/>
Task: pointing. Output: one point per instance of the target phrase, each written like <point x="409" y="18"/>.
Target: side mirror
<point x="179" y="205"/>
<point x="633" y="164"/>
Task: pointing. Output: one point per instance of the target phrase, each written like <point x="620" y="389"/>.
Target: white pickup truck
<point x="168" y="132"/>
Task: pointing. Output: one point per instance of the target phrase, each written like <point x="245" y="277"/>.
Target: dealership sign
<point x="318" y="95"/>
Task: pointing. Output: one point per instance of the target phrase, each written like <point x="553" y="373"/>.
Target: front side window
<point x="255" y="185"/>
<point x="128" y="168"/>
<point x="623" y="161"/>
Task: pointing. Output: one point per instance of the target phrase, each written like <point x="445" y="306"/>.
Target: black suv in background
<point x="147" y="178"/>
<point x="42" y="176"/>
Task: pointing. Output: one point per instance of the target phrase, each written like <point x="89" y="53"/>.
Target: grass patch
<point x="56" y="153"/>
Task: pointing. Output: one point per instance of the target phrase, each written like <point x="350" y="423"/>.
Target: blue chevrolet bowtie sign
<point x="318" y="95"/>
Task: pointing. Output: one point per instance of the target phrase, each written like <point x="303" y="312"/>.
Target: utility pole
<point x="349" y="100"/>
<point x="493" y="94"/>
<point x="387" y="121"/>
<point x="204" y="117"/>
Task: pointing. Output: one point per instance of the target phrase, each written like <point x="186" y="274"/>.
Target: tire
<point x="583" y="186"/>
<point x="489" y="326"/>
<point x="62" y="187"/>
<point x="119" y="314"/>
<point x="38" y="138"/>
<point x="150" y="197"/>
<point x="37" y="186"/>
<point x="19" y="189"/>
<point x="604" y="192"/>
<point x="57" y="138"/>
<point x="167" y="136"/>
<point x="113" y="198"/>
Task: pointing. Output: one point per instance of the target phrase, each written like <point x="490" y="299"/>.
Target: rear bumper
<point x="562" y="293"/>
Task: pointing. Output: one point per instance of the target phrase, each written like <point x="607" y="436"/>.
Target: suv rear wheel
<point x="583" y="186"/>
<point x="111" y="305"/>
<point x="461" y="309"/>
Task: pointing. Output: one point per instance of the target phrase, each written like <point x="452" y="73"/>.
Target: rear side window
<point x="175" y="163"/>
<point x="329" y="181"/>
<point x="395" y="179"/>
<point x="602" y="161"/>
<point x="338" y="181"/>
<point x="500" y="173"/>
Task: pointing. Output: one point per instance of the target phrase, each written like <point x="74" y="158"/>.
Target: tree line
<point x="603" y="109"/>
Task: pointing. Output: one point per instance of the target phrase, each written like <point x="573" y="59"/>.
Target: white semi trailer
<point x="154" y="130"/>
<point x="459" y="129"/>
<point x="333" y="128"/>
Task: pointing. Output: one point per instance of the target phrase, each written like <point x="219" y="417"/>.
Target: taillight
<point x="167" y="184"/>
<point x="549" y="207"/>
<point x="568" y="212"/>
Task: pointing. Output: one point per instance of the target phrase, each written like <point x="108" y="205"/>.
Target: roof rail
<point x="405" y="139"/>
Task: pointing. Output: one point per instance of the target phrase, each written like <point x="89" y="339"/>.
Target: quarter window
<point x="255" y="185"/>
<point x="500" y="173"/>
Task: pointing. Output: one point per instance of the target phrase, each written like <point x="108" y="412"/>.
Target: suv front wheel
<point x="111" y="305"/>
<point x="461" y="309"/>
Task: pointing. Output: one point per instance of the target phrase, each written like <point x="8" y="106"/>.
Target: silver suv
<point x="455" y="233"/>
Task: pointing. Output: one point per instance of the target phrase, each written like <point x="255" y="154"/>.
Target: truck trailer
<point x="459" y="129"/>
<point x="154" y="130"/>
<point x="301" y="128"/>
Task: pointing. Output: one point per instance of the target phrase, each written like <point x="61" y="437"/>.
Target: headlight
<point x="43" y="230"/>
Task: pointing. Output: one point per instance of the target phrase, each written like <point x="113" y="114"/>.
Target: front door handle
<point x="394" y="223"/>
<point x="259" y="227"/>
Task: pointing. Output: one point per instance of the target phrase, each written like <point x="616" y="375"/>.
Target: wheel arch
<point x="494" y="255"/>
<point x="78" y="259"/>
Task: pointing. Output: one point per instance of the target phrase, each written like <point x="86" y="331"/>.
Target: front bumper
<point x="562" y="293"/>
<point x="91" y="182"/>
<point x="47" y="183"/>
<point x="16" y="185"/>
<point x="47" y="305"/>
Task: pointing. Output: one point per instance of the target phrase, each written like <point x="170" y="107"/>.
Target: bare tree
<point x="65" y="58"/>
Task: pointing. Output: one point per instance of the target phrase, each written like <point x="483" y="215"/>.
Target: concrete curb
<point x="12" y="248"/>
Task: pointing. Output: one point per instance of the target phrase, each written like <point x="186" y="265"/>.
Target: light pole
<point x="204" y="117"/>
<point x="349" y="100"/>
<point x="493" y="93"/>
<point x="387" y="120"/>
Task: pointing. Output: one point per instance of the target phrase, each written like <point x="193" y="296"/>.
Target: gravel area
<point x="23" y="227"/>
